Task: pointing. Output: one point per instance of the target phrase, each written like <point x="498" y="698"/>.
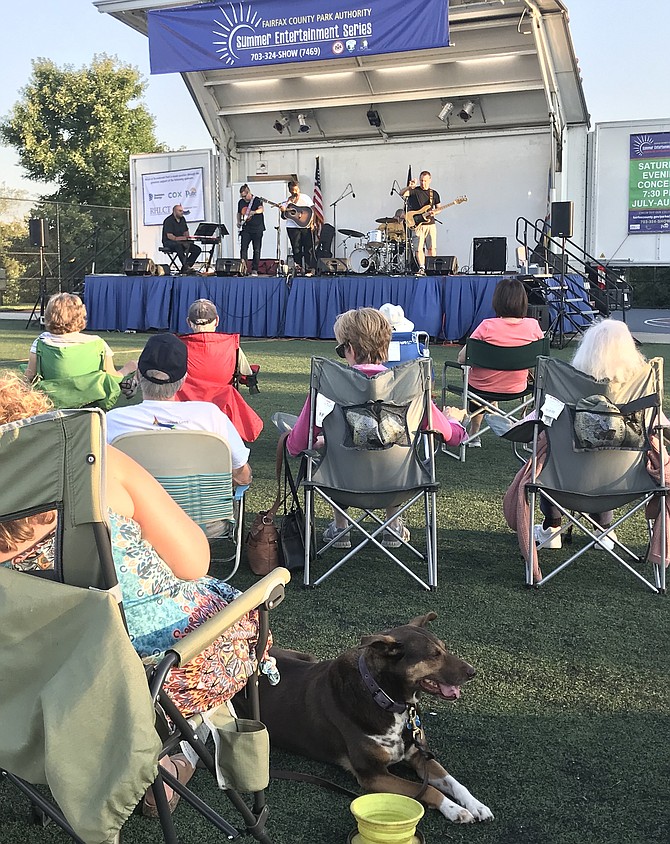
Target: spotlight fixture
<point x="445" y="112"/>
<point x="303" y="124"/>
<point x="467" y="110"/>
<point x="280" y="125"/>
<point x="373" y="118"/>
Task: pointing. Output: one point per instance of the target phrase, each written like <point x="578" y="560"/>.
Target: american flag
<point x="317" y="199"/>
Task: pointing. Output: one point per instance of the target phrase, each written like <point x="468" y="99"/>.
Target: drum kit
<point x="380" y="250"/>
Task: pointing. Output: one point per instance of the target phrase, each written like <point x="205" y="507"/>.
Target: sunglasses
<point x="339" y="350"/>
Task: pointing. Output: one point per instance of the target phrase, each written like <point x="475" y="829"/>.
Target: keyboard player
<point x="176" y="238"/>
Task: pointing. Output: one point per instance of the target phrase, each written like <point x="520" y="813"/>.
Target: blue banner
<point x="649" y="184"/>
<point x="254" y="33"/>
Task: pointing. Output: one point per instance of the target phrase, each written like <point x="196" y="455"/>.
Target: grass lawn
<point x="563" y="732"/>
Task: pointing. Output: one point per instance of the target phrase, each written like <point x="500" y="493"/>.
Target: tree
<point x="78" y="127"/>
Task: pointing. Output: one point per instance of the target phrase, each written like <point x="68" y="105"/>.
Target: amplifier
<point x="489" y="254"/>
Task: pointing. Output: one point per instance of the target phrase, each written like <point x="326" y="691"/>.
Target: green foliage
<point x="77" y="128"/>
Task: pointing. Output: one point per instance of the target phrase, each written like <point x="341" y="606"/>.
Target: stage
<point x="447" y="307"/>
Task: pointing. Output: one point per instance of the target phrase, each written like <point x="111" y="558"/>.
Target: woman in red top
<point x="510" y="327"/>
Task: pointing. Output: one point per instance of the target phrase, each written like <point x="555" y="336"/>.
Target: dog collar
<point x="378" y="694"/>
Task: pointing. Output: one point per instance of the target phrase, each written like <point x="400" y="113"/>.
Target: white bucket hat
<point x="396" y="316"/>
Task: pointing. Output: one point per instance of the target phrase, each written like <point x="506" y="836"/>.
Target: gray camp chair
<point x="489" y="356"/>
<point x="376" y="455"/>
<point x="90" y="727"/>
<point x="596" y="459"/>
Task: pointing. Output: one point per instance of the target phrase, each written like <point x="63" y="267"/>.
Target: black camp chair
<point x="489" y="356"/>
<point x="76" y="713"/>
<point x="377" y="454"/>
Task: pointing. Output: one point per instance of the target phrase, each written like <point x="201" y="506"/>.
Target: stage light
<point x="280" y="125"/>
<point x="446" y="112"/>
<point x="467" y="110"/>
<point x="373" y="118"/>
<point x="304" y="125"/>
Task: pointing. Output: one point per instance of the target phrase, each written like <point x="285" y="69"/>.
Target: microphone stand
<point x="348" y="191"/>
<point x="408" y="251"/>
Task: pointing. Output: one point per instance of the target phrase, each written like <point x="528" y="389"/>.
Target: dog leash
<point x="314" y="780"/>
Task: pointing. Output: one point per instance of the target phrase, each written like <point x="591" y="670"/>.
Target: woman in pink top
<point x="363" y="338"/>
<point x="510" y="327"/>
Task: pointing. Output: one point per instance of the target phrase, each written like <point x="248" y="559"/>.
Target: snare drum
<point x="375" y="239"/>
<point x="362" y="260"/>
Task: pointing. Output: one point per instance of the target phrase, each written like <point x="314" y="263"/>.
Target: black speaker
<point x="38" y="231"/>
<point x="562" y="214"/>
<point x="541" y="314"/>
<point x="332" y="266"/>
<point x="441" y="265"/>
<point x="229" y="266"/>
<point x="139" y="266"/>
<point x="489" y="254"/>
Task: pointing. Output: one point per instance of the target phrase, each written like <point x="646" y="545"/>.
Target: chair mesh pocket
<point x="375" y="425"/>
<point x="599" y="424"/>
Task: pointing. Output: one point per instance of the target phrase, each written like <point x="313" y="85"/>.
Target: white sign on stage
<point x="162" y="191"/>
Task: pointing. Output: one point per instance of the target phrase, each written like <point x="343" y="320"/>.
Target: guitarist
<point x="425" y="241"/>
<point x="251" y="223"/>
<point x="302" y="243"/>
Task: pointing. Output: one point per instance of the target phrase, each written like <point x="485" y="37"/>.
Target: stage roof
<point x="513" y="59"/>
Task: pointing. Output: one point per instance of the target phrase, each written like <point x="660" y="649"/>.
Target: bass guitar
<point x="302" y="215"/>
<point x="426" y="214"/>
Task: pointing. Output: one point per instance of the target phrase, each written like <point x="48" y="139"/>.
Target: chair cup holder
<point x="242" y="751"/>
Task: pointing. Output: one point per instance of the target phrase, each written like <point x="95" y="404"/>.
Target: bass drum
<point x="362" y="260"/>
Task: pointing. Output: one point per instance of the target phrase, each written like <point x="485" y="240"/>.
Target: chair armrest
<point x="269" y="590"/>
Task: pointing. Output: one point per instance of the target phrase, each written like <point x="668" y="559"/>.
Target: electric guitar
<point x="302" y="215"/>
<point x="426" y="214"/>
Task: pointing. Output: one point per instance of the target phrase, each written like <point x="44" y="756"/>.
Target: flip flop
<point x="184" y="772"/>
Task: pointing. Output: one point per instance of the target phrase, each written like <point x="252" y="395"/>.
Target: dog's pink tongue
<point x="450" y="692"/>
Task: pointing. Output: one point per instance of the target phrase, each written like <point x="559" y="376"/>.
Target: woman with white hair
<point x="606" y="351"/>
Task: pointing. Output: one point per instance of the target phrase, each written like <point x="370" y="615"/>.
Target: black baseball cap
<point x="164" y="353"/>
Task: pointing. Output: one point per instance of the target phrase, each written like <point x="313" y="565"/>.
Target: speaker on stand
<point x="562" y="218"/>
<point x="38" y="232"/>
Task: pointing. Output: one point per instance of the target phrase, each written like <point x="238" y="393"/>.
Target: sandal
<point x="183" y="771"/>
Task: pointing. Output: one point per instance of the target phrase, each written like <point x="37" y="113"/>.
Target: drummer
<point x="395" y="228"/>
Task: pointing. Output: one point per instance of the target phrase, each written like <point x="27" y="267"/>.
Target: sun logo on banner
<point x="236" y="21"/>
<point x="642" y="144"/>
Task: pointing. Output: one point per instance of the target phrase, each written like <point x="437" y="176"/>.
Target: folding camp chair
<point x="489" y="356"/>
<point x="75" y="376"/>
<point x="76" y="712"/>
<point x="596" y="453"/>
<point x="195" y="467"/>
<point x="408" y="345"/>
<point x="378" y="453"/>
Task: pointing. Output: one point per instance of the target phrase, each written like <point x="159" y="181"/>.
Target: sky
<point x="621" y="47"/>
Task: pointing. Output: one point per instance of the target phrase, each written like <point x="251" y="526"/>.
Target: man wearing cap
<point x="212" y="358"/>
<point x="161" y="372"/>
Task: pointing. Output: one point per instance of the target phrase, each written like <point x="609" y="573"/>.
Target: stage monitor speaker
<point x="139" y="266"/>
<point x="38" y="230"/>
<point x="562" y="214"/>
<point x="229" y="266"/>
<point x="489" y="254"/>
<point x="332" y="266"/>
<point x="441" y="265"/>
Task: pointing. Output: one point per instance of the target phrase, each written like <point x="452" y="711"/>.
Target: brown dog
<point x="355" y="711"/>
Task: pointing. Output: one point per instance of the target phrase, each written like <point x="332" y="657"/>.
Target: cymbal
<point x="386" y="220"/>
<point x="351" y="233"/>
